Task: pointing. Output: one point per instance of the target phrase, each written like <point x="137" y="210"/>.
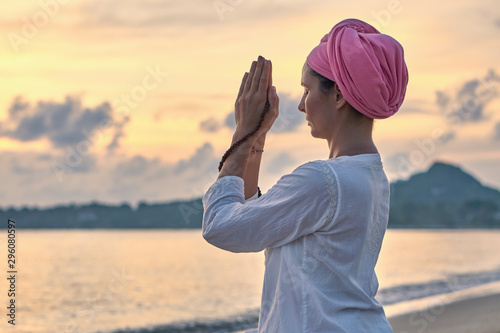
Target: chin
<point x="314" y="134"/>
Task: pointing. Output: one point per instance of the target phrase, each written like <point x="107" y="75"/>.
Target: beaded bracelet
<point x="257" y="151"/>
<point x="240" y="141"/>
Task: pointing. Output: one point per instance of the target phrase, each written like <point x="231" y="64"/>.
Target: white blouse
<point x="321" y="227"/>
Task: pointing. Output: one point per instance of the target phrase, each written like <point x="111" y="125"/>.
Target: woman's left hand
<point x="255" y="91"/>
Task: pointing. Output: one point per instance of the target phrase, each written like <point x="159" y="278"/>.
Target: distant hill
<point x="172" y="215"/>
<point x="442" y="197"/>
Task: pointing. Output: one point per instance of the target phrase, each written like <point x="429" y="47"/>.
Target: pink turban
<point x="368" y="66"/>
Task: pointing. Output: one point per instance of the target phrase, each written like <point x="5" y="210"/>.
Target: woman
<point x="321" y="226"/>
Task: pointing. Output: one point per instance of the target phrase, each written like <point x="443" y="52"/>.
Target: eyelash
<point x="305" y="92"/>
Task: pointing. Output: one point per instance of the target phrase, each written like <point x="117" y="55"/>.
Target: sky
<point x="129" y="101"/>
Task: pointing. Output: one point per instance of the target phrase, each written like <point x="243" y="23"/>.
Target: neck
<point x="352" y="138"/>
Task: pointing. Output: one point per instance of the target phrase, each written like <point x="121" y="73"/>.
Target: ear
<point x="340" y="101"/>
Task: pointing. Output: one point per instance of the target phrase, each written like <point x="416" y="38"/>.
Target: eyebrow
<point x="302" y="84"/>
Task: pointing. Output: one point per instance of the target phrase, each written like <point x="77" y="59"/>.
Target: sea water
<point x="141" y="280"/>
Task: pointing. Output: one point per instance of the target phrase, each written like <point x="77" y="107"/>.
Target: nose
<point x="302" y="105"/>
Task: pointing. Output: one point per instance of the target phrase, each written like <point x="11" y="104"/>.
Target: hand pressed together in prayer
<point x="255" y="91"/>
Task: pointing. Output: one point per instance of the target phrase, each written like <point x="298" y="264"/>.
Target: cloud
<point x="201" y="161"/>
<point x="467" y="104"/>
<point x="289" y="119"/>
<point x="118" y="134"/>
<point x="148" y="13"/>
<point x="280" y="163"/>
<point x="62" y="123"/>
<point x="496" y="132"/>
<point x="180" y="17"/>
<point x="210" y="125"/>
<point x="419" y="106"/>
<point x="30" y="179"/>
<point x="448" y="136"/>
<point x="399" y="164"/>
<point x="230" y="121"/>
<point x="423" y="150"/>
<point x="116" y="178"/>
<point x="135" y="167"/>
<point x="139" y="178"/>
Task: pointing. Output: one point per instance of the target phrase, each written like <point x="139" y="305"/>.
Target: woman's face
<point x="319" y="109"/>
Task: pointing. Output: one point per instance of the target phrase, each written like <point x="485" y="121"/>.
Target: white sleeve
<point x="253" y="197"/>
<point x="300" y="203"/>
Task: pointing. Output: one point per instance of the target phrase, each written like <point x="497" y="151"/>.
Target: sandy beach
<point x="474" y="315"/>
<point x="474" y="310"/>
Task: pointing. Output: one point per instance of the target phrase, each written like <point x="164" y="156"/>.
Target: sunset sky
<point x="127" y="101"/>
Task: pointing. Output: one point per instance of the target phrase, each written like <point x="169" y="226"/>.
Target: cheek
<point x="310" y="104"/>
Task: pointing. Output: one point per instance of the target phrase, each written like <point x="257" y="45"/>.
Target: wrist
<point x="240" y="133"/>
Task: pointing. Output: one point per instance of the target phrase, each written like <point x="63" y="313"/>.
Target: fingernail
<point x="261" y="57"/>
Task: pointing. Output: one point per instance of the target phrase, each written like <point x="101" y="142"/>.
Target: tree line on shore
<point x="442" y="197"/>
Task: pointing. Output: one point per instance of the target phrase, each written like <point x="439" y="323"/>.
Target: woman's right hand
<point x="256" y="89"/>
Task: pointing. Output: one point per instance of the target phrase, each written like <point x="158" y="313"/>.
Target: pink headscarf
<point x="368" y="66"/>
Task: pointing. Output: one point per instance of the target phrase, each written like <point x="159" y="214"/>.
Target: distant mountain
<point x="172" y="215"/>
<point x="442" y="197"/>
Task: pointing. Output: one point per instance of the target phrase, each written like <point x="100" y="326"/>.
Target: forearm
<point x="253" y="166"/>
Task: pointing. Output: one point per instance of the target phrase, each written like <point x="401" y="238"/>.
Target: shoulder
<point x="322" y="185"/>
<point x="315" y="171"/>
<point x="315" y="177"/>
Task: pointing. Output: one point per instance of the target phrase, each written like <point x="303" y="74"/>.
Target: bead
<point x="240" y="141"/>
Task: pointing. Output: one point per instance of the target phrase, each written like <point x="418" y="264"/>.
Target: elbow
<point x="217" y="240"/>
<point x="214" y="234"/>
<point x="213" y="237"/>
<point x="225" y="241"/>
<point x="208" y="236"/>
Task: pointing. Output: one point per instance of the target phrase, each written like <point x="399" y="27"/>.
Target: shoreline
<point x="475" y="310"/>
<point x="477" y="315"/>
<point x="472" y="310"/>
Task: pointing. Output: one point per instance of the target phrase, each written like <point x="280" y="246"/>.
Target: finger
<point x="242" y="86"/>
<point x="248" y="83"/>
<point x="271" y="74"/>
<point x="264" y="78"/>
<point x="258" y="74"/>
<point x="273" y="99"/>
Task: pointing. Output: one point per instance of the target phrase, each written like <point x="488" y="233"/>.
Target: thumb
<point x="273" y="98"/>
